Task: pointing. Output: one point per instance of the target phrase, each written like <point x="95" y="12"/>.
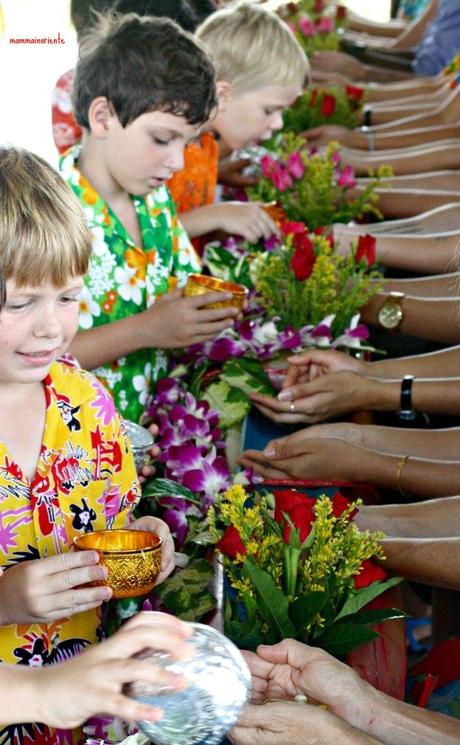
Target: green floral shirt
<point x="124" y="278"/>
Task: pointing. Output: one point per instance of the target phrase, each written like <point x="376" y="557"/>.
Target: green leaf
<point x="273" y="603"/>
<point x="186" y="593"/>
<point x="377" y="615"/>
<point x="231" y="404"/>
<point x="167" y="488"/>
<point x="303" y="610"/>
<point x="361" y="598"/>
<point x="247" y="375"/>
<point x="342" y="638"/>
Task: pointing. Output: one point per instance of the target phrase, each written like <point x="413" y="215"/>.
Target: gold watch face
<point x="391" y="313"/>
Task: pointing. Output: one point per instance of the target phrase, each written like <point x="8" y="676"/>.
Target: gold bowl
<point x="132" y="557"/>
<point x="199" y="284"/>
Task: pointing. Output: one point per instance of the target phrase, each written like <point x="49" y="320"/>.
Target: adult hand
<point x="248" y="219"/>
<point x="178" y="321"/>
<point x="318" y="136"/>
<point x="326" y="397"/>
<point x="47" y="589"/>
<point x="309" y="365"/>
<point x="340" y="62"/>
<point x="230" y="173"/>
<point x="92" y="683"/>
<point x="155" y="525"/>
<point x="309" y="455"/>
<point x="289" y="723"/>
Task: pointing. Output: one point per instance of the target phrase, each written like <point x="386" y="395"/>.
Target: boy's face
<point x="255" y="115"/>
<point x="36" y="326"/>
<point x="148" y="151"/>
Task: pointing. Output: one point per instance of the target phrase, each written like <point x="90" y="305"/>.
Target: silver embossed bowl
<point x="141" y="442"/>
<point x="203" y="713"/>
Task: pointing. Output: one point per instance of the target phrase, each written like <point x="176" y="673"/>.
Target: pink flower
<point x="325" y="25"/>
<point x="210" y="478"/>
<point x="307" y="26"/>
<point x="282" y="180"/>
<point x="347" y="179"/>
<point x="295" y="165"/>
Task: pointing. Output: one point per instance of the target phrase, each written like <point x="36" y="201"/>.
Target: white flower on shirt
<point x="142" y="383"/>
<point x="129" y="284"/>
<point x="99" y="246"/>
<point x="87" y="308"/>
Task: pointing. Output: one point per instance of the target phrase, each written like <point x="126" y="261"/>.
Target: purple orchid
<point x="210" y="478"/>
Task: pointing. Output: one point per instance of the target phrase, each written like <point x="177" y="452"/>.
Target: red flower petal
<point x="366" y="249"/>
<point x="369" y="573"/>
<point x="328" y="105"/>
<point x="231" y="544"/>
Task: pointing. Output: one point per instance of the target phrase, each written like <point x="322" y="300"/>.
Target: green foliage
<point x="307" y="113"/>
<point x="186" y="594"/>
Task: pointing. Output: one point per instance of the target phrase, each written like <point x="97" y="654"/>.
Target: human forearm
<point x="21" y="699"/>
<point x="441" y="445"/>
<point x="372" y="73"/>
<point x="417" y="136"/>
<point x="433" y="561"/>
<point x="434" y="518"/>
<point x="438" y="156"/>
<point x="435" y="286"/>
<point x="397" y="723"/>
<point x="403" y="89"/>
<point x="105" y="344"/>
<point x="399" y="203"/>
<point x="434" y="396"/>
<point x="201" y="220"/>
<point x="445" y="362"/>
<point x="435" y="319"/>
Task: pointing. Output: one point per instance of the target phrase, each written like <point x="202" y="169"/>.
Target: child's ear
<point x="223" y="89"/>
<point x="100" y="114"/>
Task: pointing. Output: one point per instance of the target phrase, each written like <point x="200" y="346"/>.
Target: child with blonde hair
<point x="260" y="70"/>
<point x="66" y="466"/>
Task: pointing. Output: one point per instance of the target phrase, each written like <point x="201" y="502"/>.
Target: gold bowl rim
<point x="156" y="547"/>
<point x="218" y="285"/>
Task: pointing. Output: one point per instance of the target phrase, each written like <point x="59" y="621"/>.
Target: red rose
<point x="231" y="544"/>
<point x="354" y="92"/>
<point x="318" y="6"/>
<point x="313" y="96"/>
<point x="291" y="227"/>
<point x="366" y="249"/>
<point x="340" y="504"/>
<point x="340" y="12"/>
<point x="328" y="105"/>
<point x="369" y="573"/>
<point x="303" y="258"/>
<point x="300" y="510"/>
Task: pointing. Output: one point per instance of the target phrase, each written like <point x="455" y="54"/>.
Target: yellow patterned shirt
<point x="85" y="480"/>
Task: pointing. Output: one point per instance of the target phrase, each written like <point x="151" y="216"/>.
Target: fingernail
<point x="269" y="452"/>
<point x="285" y="396"/>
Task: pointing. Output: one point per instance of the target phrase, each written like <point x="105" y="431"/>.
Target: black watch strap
<point x="367" y="116"/>
<point x="406" y="411"/>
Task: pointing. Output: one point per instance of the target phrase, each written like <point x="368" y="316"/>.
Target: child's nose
<point x="47" y="325"/>
<point x="176" y="157"/>
<point x="276" y="121"/>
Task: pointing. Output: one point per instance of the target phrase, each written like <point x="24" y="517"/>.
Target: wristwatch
<point x="391" y="312"/>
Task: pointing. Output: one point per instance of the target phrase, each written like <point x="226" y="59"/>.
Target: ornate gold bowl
<point x="199" y="284"/>
<point x="132" y="557"/>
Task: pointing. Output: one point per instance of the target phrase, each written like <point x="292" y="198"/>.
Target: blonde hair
<point x="252" y="48"/>
<point x="43" y="233"/>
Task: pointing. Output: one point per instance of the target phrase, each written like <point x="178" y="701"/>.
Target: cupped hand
<point x="307" y="366"/>
<point x="325" y="397"/>
<point x="178" y="321"/>
<point x="314" y="453"/>
<point x="47" y="589"/>
<point x="97" y="677"/>
<point x="155" y="525"/>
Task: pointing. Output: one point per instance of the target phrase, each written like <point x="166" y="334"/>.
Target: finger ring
<point x="292" y="407"/>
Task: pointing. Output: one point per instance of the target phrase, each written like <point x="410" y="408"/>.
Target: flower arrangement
<point x="304" y="280"/>
<point x="298" y="567"/>
<point x="313" y="187"/>
<point x="318" y="106"/>
<point x="315" y="27"/>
